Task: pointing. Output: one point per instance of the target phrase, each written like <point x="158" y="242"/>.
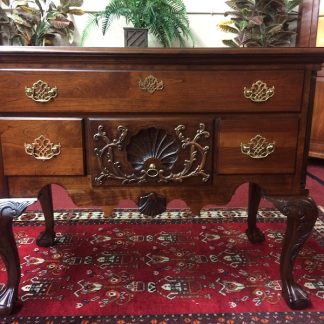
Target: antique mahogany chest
<point x="154" y="125"/>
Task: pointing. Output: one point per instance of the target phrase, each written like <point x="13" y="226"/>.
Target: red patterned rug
<point x="175" y="268"/>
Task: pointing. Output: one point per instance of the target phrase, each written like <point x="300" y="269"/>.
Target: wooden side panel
<point x="307" y="25"/>
<point x="317" y="135"/>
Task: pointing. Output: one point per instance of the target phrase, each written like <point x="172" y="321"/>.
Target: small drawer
<point x="42" y="146"/>
<point x="257" y="145"/>
<point x="152" y="91"/>
<point x="150" y="151"/>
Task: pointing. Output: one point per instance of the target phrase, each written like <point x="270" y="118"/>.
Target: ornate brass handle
<point x="41" y="92"/>
<point x="258" y="147"/>
<point x="42" y="148"/>
<point x="151" y="84"/>
<point x="259" y="92"/>
<point x="152" y="171"/>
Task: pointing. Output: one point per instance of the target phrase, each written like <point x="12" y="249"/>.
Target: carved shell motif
<point x="152" y="204"/>
<point x="152" y="145"/>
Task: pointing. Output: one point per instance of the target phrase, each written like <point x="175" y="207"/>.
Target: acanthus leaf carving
<point x="152" y="152"/>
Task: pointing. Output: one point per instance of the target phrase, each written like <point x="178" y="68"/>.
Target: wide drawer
<point x="253" y="145"/>
<point x="155" y="151"/>
<point x="152" y="91"/>
<point x="42" y="146"/>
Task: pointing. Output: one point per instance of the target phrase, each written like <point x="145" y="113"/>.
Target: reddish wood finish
<point x="317" y="136"/>
<point x="111" y="91"/>
<point x="253" y="233"/>
<point x="307" y="32"/>
<point x="308" y="22"/>
<point x="280" y="130"/>
<point x="100" y="116"/>
<point x="8" y="251"/>
<point x="301" y="213"/>
<point x="15" y="133"/>
<point x="47" y="237"/>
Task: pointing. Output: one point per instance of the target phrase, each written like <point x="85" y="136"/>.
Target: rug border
<point x="296" y="317"/>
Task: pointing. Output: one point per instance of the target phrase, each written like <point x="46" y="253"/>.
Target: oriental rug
<point x="174" y="268"/>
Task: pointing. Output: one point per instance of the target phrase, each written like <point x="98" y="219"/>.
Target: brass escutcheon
<point x="259" y="92"/>
<point x="258" y="147"/>
<point x="151" y="84"/>
<point x="42" y="148"/>
<point x="41" y="92"/>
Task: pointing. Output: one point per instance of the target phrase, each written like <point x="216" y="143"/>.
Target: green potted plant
<point x="166" y="19"/>
<point x="261" y="23"/>
<point x="37" y="22"/>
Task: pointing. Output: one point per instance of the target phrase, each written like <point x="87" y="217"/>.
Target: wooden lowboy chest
<point x="154" y="125"/>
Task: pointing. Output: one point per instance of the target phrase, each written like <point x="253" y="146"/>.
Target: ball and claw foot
<point x="46" y="239"/>
<point x="255" y="235"/>
<point x="295" y="296"/>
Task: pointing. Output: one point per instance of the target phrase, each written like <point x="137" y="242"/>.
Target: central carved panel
<point x="155" y="155"/>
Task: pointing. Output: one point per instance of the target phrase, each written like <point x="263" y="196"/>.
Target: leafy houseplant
<point x="261" y="23"/>
<point x="166" y="19"/>
<point x="37" y="22"/>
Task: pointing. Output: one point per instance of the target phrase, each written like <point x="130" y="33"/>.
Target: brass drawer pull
<point x="42" y="148"/>
<point x="152" y="171"/>
<point x="151" y="84"/>
<point x="41" y="92"/>
<point x="258" y="147"/>
<point x="259" y="92"/>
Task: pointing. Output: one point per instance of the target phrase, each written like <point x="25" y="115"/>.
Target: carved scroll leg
<point x="47" y="237"/>
<point x="8" y="251"/>
<point x="253" y="232"/>
<point x="301" y="215"/>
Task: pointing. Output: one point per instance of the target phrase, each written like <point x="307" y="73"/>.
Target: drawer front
<point x="160" y="151"/>
<point x="42" y="146"/>
<point x="256" y="145"/>
<point x="152" y="91"/>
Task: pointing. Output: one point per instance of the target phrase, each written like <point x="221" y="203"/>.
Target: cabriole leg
<point x="46" y="238"/>
<point x="253" y="232"/>
<point x="9" y="252"/>
<point x="301" y="215"/>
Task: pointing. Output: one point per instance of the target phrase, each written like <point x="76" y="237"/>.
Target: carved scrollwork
<point x="15" y="206"/>
<point x="259" y="92"/>
<point x="303" y="212"/>
<point x="258" y="147"/>
<point x="41" y="92"/>
<point x="190" y="168"/>
<point x="152" y="153"/>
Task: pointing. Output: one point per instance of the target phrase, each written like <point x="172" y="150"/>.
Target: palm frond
<point x="166" y="19"/>
<point x="92" y="22"/>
